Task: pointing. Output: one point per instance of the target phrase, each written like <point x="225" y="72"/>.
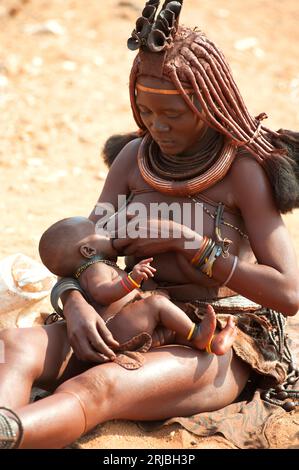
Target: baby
<point x="71" y="247"/>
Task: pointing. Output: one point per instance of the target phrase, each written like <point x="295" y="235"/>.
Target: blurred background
<point x="64" y="69"/>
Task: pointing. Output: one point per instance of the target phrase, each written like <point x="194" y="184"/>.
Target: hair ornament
<point x="155" y="33"/>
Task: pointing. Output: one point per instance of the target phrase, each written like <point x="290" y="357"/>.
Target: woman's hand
<point x="88" y="335"/>
<point x="145" y="237"/>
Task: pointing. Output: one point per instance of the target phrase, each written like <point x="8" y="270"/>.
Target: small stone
<point x="35" y="162"/>
<point x="77" y="171"/>
<point x="37" y="61"/>
<point x="222" y="13"/>
<point x="98" y="61"/>
<point x="246" y="43"/>
<point x="259" y="53"/>
<point x="69" y="66"/>
<point x="49" y="27"/>
<point x="3" y="81"/>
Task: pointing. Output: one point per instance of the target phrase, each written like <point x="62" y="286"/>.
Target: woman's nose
<point x="159" y="126"/>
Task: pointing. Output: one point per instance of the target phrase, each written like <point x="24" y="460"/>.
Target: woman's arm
<point x="88" y="334"/>
<point x="274" y="281"/>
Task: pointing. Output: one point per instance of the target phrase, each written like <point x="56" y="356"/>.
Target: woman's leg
<point x="174" y="381"/>
<point x="40" y="355"/>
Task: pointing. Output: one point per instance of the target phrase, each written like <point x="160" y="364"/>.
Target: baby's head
<point x="69" y="243"/>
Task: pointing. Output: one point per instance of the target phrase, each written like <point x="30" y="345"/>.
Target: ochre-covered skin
<point x="174" y="380"/>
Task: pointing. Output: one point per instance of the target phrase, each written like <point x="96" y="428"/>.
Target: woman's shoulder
<point x="128" y="154"/>
<point x="125" y="163"/>
<point x="249" y="181"/>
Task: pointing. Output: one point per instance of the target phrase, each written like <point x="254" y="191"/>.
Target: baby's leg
<point x="169" y="315"/>
<point x="137" y="317"/>
<point x="144" y="315"/>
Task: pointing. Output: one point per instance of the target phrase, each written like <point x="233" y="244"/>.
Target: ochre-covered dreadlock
<point x="184" y="56"/>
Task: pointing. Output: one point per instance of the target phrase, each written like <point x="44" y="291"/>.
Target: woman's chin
<point x="168" y="147"/>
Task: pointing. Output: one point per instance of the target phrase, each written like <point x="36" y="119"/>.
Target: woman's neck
<point x="205" y="139"/>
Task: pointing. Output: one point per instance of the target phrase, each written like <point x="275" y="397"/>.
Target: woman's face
<point x="171" y="123"/>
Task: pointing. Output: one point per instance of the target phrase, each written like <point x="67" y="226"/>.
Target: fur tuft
<point x="283" y="171"/>
<point x="115" y="144"/>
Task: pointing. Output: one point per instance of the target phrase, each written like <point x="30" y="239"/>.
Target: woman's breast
<point x="147" y="202"/>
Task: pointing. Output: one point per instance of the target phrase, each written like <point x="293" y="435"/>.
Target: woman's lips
<point x="166" y="143"/>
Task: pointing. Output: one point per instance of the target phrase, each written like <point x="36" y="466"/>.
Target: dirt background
<point x="64" y="89"/>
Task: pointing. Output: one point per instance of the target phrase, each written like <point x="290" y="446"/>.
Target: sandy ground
<point x="63" y="90"/>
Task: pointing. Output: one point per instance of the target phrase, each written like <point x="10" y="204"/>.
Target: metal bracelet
<point x="63" y="285"/>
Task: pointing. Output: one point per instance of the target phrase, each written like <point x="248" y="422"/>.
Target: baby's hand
<point x="143" y="270"/>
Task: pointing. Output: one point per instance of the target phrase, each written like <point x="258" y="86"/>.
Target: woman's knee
<point x="95" y="389"/>
<point x="22" y="348"/>
<point x="92" y="384"/>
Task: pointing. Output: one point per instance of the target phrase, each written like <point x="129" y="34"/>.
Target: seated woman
<point x="199" y="148"/>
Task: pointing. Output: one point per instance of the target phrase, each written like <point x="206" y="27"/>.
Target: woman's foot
<point x="206" y="329"/>
<point x="223" y="341"/>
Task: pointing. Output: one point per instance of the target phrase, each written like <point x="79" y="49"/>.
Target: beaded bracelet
<point x="191" y="332"/>
<point x="203" y="253"/>
<point x="128" y="289"/>
<point x="194" y="330"/>
<point x="207" y="268"/>
<point x="198" y="254"/>
<point x="209" y="346"/>
<point x="129" y="284"/>
<point x="133" y="282"/>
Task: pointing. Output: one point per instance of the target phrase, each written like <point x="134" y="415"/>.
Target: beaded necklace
<point x="213" y="216"/>
<point x="95" y="259"/>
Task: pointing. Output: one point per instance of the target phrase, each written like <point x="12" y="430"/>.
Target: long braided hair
<point x="185" y="56"/>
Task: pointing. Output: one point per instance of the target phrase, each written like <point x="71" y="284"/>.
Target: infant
<point x="72" y="248"/>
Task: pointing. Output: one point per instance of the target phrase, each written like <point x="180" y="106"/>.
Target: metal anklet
<point x="11" y="429"/>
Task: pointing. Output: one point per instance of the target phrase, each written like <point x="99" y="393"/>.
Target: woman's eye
<point x="172" y="116"/>
<point x="144" y="111"/>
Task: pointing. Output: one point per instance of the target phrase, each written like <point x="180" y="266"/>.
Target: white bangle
<point x="231" y="271"/>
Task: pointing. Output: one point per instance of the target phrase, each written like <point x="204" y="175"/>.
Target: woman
<point x="197" y="145"/>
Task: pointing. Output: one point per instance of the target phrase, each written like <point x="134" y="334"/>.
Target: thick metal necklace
<point x="185" y="176"/>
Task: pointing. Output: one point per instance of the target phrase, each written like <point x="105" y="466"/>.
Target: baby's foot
<point x="206" y="329"/>
<point x="223" y="341"/>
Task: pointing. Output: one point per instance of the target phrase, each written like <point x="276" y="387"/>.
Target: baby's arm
<point x="106" y="289"/>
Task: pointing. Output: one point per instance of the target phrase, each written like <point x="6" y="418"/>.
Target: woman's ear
<point x="87" y="251"/>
